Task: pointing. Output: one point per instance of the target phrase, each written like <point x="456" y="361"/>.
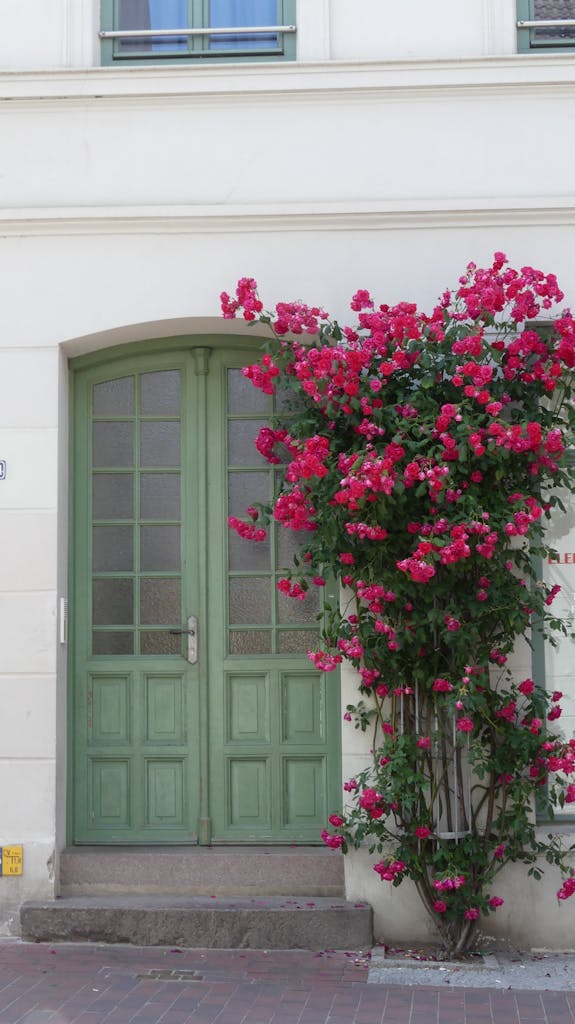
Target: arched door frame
<point x="201" y="345"/>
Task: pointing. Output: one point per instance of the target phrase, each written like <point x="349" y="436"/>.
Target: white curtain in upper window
<point x="168" y="13"/>
<point x="146" y="14"/>
<point x="224" y="13"/>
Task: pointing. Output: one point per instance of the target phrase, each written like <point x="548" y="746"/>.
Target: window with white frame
<point x="544" y="25"/>
<point x="175" y="31"/>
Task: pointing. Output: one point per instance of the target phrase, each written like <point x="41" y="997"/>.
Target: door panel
<point x="136" y="697"/>
<point x="240" y="746"/>
<point x="304" y="792"/>
<point x="274" y="722"/>
<point x="109" y="793"/>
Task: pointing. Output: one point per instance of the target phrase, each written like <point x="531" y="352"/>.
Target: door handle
<point x="192" y="633"/>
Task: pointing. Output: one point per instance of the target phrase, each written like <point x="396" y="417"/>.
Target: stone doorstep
<point x="196" y="871"/>
<point x="201" y="922"/>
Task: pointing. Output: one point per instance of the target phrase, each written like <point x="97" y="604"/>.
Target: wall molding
<point x="351" y="216"/>
<point x="520" y="72"/>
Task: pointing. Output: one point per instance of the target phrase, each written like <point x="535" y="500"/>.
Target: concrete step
<point x="201" y="922"/>
<point x="201" y="871"/>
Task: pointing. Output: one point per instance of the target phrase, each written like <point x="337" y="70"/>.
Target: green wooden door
<point x="228" y="735"/>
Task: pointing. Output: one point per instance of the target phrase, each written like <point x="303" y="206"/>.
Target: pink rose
<point x="472" y="914"/>
<point x="464" y="725"/>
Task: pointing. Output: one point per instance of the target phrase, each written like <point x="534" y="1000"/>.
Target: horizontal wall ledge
<point x="352" y="216"/>
<point x="518" y="70"/>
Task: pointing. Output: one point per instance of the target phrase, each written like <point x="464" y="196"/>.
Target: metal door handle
<point x="192" y="634"/>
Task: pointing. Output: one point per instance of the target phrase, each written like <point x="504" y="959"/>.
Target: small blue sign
<point x="2" y="469"/>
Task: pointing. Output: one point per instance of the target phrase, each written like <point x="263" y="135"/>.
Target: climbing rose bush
<point x="422" y="454"/>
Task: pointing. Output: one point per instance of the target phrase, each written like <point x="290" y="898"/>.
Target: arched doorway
<point x="195" y="713"/>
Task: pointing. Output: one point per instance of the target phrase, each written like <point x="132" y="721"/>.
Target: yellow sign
<point x="12" y="860"/>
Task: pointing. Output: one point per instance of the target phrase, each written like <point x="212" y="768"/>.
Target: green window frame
<point x="558" y="38"/>
<point x="200" y="46"/>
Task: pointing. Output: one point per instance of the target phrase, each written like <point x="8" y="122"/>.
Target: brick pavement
<point x="88" y="984"/>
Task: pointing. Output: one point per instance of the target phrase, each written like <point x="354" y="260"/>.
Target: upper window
<point x="545" y="25"/>
<point x="172" y="31"/>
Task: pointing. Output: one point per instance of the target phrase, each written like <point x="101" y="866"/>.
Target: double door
<point x="195" y="714"/>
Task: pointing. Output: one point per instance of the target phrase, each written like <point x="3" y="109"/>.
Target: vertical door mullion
<point x="137" y="525"/>
<point x="138" y="762"/>
<point x="201" y="358"/>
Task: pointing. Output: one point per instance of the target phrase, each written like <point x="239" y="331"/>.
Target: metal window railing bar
<point x="548" y="23"/>
<point x="243" y="30"/>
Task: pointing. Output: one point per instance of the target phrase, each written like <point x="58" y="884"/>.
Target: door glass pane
<point x="160" y="444"/>
<point x="247" y="641"/>
<point x="288" y="544"/>
<point x="159" y="641"/>
<point x="246" y="489"/>
<point x="113" y="444"/>
<point x="113" y="602"/>
<point x="243" y="490"/>
<point x="297" y="641"/>
<point x="160" y="393"/>
<point x="160" y="602"/>
<point x="140" y="548"/>
<point x="246" y="555"/>
<point x="112" y="495"/>
<point x="160" y="495"/>
<point x="112" y="642"/>
<point x="290" y="609"/>
<point x="250" y="600"/>
<point x="112" y="548"/>
<point x="160" y="548"/>
<point x="241" y="443"/>
<point x="286" y="400"/>
<point x="243" y="397"/>
<point x="254" y="599"/>
<point x="114" y="397"/>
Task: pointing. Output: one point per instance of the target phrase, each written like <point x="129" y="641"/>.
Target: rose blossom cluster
<point x="425" y="462"/>
<point x="567" y="889"/>
<point x="390" y="870"/>
<point x="246" y="530"/>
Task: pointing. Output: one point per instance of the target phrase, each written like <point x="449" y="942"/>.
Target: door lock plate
<point x="192" y="633"/>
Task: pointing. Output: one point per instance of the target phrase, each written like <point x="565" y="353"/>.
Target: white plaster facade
<point x="405" y="140"/>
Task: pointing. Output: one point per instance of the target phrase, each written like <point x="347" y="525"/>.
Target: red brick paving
<point x="86" y="984"/>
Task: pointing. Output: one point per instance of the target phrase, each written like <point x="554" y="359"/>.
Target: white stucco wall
<point x="28" y="555"/>
<point x="531" y="916"/>
<point x="64" y="33"/>
<point x="130" y="198"/>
